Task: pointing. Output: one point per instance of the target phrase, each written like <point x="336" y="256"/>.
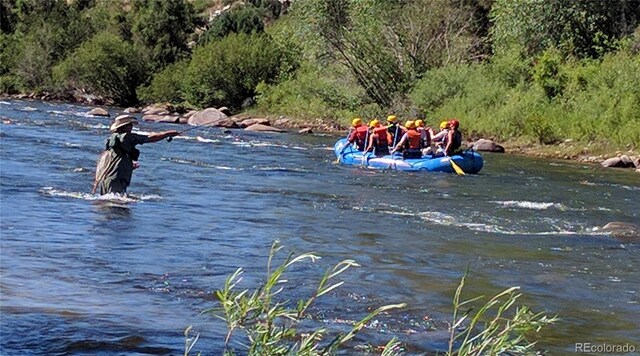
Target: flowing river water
<point x="80" y="277"/>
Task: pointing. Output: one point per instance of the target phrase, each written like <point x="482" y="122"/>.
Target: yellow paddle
<point x="456" y="167"/>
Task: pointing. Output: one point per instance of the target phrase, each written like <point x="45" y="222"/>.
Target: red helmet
<point x="454" y="123"/>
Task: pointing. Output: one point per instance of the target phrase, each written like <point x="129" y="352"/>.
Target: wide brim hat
<point x="122" y="120"/>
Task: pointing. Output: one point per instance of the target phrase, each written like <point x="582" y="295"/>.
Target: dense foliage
<point x="226" y="72"/>
<point x="163" y="29"/>
<point x="106" y="66"/>
<point x="541" y="70"/>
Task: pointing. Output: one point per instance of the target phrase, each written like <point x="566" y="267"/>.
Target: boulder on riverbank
<point x="151" y="110"/>
<point x="486" y="146"/>
<point x="250" y="122"/>
<point x="263" y="128"/>
<point x="622" y="161"/>
<point x="172" y="119"/>
<point x="98" y="112"/>
<point x="209" y="116"/>
<point x="622" y="230"/>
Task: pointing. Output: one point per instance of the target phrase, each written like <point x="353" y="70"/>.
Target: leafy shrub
<point x="202" y="5"/>
<point x="578" y="28"/>
<point x="166" y="86"/>
<point x="112" y="17"/>
<point x="105" y="66"/>
<point x="467" y="92"/>
<point x="602" y="99"/>
<point x="547" y="74"/>
<point x="586" y="100"/>
<point x="8" y="84"/>
<point x="542" y="129"/>
<point x="242" y="19"/>
<point x="35" y="56"/>
<point x="271" y="8"/>
<point x="439" y="85"/>
<point x="510" y="67"/>
<point x="226" y="72"/>
<point x="8" y="53"/>
<point x="313" y="93"/>
<point x="290" y="45"/>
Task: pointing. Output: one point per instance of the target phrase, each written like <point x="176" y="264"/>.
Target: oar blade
<point x="456" y="168"/>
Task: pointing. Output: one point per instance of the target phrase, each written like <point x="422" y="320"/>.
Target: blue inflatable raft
<point x="469" y="161"/>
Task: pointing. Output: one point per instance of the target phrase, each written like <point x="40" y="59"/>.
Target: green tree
<point x="111" y="16"/>
<point x="43" y="33"/>
<point x="226" y="72"/>
<point x="546" y="73"/>
<point x="106" y="66"/>
<point x="166" y="85"/>
<point x="243" y="19"/>
<point x="7" y="16"/>
<point x="583" y="28"/>
<point x="163" y="28"/>
<point x="388" y="45"/>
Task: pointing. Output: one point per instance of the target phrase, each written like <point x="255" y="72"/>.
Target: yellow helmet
<point x="410" y="124"/>
<point x="374" y="123"/>
<point x="419" y="123"/>
<point x="443" y="125"/>
<point x="356" y="122"/>
<point x="392" y="119"/>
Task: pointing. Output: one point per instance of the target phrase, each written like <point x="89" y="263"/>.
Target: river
<point x="80" y="277"/>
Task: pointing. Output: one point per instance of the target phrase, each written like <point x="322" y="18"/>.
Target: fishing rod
<point x="169" y="139"/>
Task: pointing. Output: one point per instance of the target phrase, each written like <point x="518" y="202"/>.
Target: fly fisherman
<point x="119" y="159"/>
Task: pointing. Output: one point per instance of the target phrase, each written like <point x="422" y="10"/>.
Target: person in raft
<point x="412" y="142"/>
<point x="439" y="140"/>
<point x="395" y="129"/>
<point x="425" y="133"/>
<point x="453" y="142"/>
<point x="359" y="134"/>
<point x="378" y="139"/>
<point x="119" y="159"/>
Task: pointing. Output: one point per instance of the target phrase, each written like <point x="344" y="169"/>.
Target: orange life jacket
<point x="361" y="133"/>
<point x="359" y="136"/>
<point x="383" y="136"/>
<point x="414" y="139"/>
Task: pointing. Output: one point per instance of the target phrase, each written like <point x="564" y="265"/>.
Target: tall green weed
<point x="493" y="328"/>
<point x="262" y="321"/>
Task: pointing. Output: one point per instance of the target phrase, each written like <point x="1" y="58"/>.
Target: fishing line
<point x="189" y="150"/>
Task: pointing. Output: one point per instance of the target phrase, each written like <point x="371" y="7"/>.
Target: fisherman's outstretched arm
<point x="158" y="136"/>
